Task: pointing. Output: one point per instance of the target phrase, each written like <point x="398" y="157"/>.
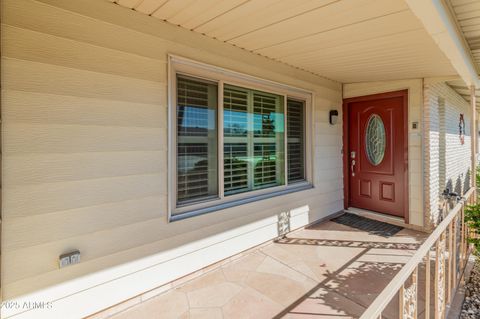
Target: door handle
<point x="352" y="168"/>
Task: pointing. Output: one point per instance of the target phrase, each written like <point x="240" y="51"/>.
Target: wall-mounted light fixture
<point x="333" y="117"/>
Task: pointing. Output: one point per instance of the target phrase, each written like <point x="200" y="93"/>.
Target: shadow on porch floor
<point x="326" y="271"/>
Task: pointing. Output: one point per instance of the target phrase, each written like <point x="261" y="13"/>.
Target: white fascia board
<point x="437" y="19"/>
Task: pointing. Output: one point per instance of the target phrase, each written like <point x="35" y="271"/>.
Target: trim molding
<point x="181" y="65"/>
<point x="346" y="172"/>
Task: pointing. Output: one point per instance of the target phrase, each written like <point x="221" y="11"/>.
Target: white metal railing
<point x="452" y="232"/>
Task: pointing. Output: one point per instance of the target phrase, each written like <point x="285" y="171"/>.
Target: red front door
<point x="377" y="153"/>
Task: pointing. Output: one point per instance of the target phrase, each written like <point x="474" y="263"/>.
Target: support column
<point x="474" y="135"/>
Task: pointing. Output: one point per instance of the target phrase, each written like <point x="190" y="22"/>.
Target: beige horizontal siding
<point x="43" y="108"/>
<point x="36" y="199"/>
<point x="120" y="244"/>
<point x="39" y="168"/>
<point x="30" y="15"/>
<point x="40" y="47"/>
<point x="48" y="78"/>
<point x="84" y="110"/>
<point x="36" y="138"/>
<point x="64" y="224"/>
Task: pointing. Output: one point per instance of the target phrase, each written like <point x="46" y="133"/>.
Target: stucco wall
<point x="448" y="160"/>
<point x="84" y="132"/>
<point x="415" y="105"/>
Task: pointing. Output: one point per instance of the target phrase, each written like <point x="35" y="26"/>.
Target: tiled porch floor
<point x="326" y="271"/>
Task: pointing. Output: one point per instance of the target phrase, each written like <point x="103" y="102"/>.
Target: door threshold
<point x="394" y="220"/>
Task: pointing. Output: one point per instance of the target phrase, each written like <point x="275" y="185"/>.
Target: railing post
<point x="408" y="298"/>
<point x="473" y="140"/>
<point x="440" y="277"/>
<point x="450" y="248"/>
<point x="454" y="256"/>
<point x="427" y="285"/>
<point x="415" y="289"/>
<point x="462" y="237"/>
<point x="466" y="235"/>
<point x="401" y="301"/>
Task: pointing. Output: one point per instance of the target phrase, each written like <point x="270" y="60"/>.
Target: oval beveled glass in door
<point x="375" y="140"/>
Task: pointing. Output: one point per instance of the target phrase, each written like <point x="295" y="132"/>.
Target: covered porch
<point x="347" y="267"/>
<point x="327" y="270"/>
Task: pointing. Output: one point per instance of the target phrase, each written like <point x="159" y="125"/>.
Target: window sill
<point x="238" y="202"/>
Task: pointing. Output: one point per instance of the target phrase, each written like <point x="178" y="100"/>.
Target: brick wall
<point x="447" y="160"/>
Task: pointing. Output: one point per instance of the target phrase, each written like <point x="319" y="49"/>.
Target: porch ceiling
<point x="344" y="40"/>
<point x="467" y="16"/>
<point x="464" y="91"/>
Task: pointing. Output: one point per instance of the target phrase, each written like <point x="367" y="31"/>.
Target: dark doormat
<point x="374" y="227"/>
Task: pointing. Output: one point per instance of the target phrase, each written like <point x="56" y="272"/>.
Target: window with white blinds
<point x="235" y="140"/>
<point x="261" y="135"/>
<point x="197" y="171"/>
<point x="295" y="140"/>
<point x="254" y="135"/>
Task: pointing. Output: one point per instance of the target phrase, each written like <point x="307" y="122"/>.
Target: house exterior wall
<point x="447" y="159"/>
<point x="84" y="133"/>
<point x="478" y="139"/>
<point x="415" y="152"/>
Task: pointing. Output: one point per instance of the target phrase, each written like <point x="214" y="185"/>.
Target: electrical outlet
<point x="70" y="258"/>
<point x="64" y="261"/>
<point x="75" y="257"/>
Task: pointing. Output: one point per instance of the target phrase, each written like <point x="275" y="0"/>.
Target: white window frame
<point x="183" y="66"/>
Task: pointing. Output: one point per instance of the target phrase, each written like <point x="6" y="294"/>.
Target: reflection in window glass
<point x="254" y="135"/>
<point x="197" y="172"/>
